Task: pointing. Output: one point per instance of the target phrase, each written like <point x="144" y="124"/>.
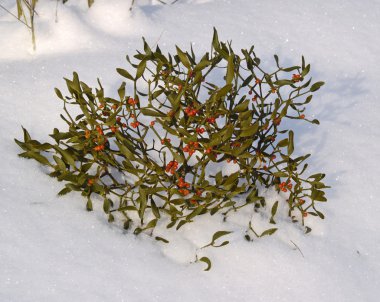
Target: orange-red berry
<point x="184" y="192"/>
<point x="132" y="101"/>
<point x="190" y="111"/>
<point x="99" y="148"/>
<point x="200" y="130"/>
<point x="211" y="120"/>
<point x="171" y="167"/>
<point x="296" y="78"/>
<point x="208" y="150"/>
<point x="165" y="140"/>
<point x="277" y="121"/>
<point x="99" y="130"/>
<point x="135" y="124"/>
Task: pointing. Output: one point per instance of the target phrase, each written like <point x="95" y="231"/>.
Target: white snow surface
<point x="51" y="249"/>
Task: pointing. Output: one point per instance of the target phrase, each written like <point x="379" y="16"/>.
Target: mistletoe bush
<point x="160" y="149"/>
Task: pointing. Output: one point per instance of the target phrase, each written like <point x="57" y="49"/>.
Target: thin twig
<point x="297" y="248"/>
<point x="56" y="12"/>
<point x="133" y="2"/>
<point x="31" y="7"/>
<point x="155" y="44"/>
<point x="27" y="25"/>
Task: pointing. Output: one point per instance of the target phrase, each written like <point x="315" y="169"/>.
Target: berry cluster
<point x="171" y="167"/>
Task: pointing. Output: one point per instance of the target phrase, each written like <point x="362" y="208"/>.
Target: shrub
<point x="159" y="149"/>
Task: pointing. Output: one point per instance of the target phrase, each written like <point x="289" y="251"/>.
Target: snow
<point x="51" y="249"/>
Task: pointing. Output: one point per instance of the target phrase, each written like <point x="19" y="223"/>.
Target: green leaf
<point x="111" y="218"/>
<point x="121" y="91"/>
<point x="125" y="151"/>
<point x="316" y="86"/>
<point x="276" y="59"/>
<point x="152" y="112"/>
<point x="151" y="224"/>
<point x="215" y="40"/>
<point x="181" y="223"/>
<point x="247" y="80"/>
<point x="250" y="131"/>
<point x="66" y="156"/>
<point x="207" y="261"/>
<point x="26" y="135"/>
<point x="64" y="191"/>
<point x="318" y="195"/>
<point x="59" y="94"/>
<point x="291" y="142"/>
<point x="127" y="224"/>
<point x="140" y="69"/>
<point x="219" y="234"/>
<point x="125" y="73"/>
<point x="143" y="202"/>
<point x="89" y="205"/>
<point x="283" y="143"/>
<point x="315" y="121"/>
<point x="194" y="213"/>
<point x="320" y="214"/>
<point x="183" y="58"/>
<point x="221" y="93"/>
<point x="268" y="232"/>
<point x="155" y="210"/>
<point x="279" y="174"/>
<point x="161" y="239"/>
<point x="106" y="205"/>
<point x="280" y="83"/>
<point x="305" y="70"/>
<point x="202" y="65"/>
<point x="243" y="106"/>
<point x="222" y="244"/>
<point x="36" y="156"/>
<point x="252" y="196"/>
<point x="288" y="69"/>
<point x="231" y="179"/>
<point x="274" y="208"/>
<point x="317" y="176"/>
<point x="218" y="178"/>
<point x="230" y="69"/>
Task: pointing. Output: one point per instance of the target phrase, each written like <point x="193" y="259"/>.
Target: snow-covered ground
<point x="51" y="249"/>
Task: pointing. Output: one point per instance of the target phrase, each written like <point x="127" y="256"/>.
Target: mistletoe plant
<point x="160" y="148"/>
